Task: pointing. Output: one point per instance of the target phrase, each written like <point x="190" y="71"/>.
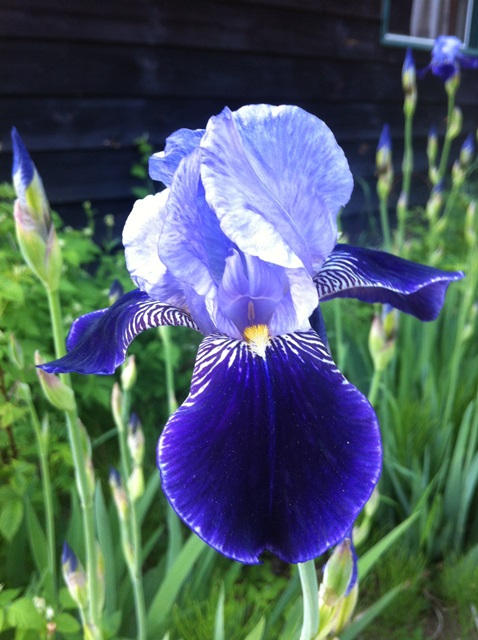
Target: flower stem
<point x="310" y="596"/>
<point x="407" y="170"/>
<point x="168" y="364"/>
<point x="42" y="441"/>
<point x="84" y="491"/>
<point x="374" y="387"/>
<point x="448" y="139"/>
<point x="131" y="528"/>
<point x="383" y="201"/>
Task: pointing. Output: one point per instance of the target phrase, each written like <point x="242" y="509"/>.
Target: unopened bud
<point x="455" y="124"/>
<point x="383" y="161"/>
<point x="135" y="439"/>
<point x="119" y="494"/>
<point x="136" y="483"/>
<point x="432" y="147"/>
<point x="371" y="505"/>
<point x="115" y="292"/>
<point x="57" y="392"/>
<point x="382" y="337"/>
<point x="409" y="83"/>
<point x="457" y="174"/>
<point x="338" y="573"/>
<point x="116" y="402"/>
<point x="128" y="374"/>
<point x="345" y="610"/>
<point x="470" y="224"/>
<point x="434" y="204"/>
<point x="35" y="231"/>
<point x="75" y="577"/>
<point x="467" y="151"/>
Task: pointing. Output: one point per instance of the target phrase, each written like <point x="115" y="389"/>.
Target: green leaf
<point x="219" y="618"/>
<point x="368" y="560"/>
<point x="8" y="595"/>
<point x="166" y="595"/>
<point x="66" y="623"/>
<point x="370" y="614"/>
<point x="2" y="618"/>
<point x="258" y="632"/>
<point x="37" y="539"/>
<point x="22" y="614"/>
<point x="11" y="517"/>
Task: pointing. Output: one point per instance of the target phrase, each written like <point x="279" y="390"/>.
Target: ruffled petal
<point x="163" y="165"/>
<point x="140" y="239"/>
<point x="274" y="452"/>
<point x="98" y="341"/>
<point x="276" y="178"/>
<point x="191" y="243"/>
<point x="376" y="276"/>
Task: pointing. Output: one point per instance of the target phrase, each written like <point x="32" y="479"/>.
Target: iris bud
<point x="35" y="231"/>
<point x="455" y="124"/>
<point x="434" y="204"/>
<point x="116" y="400"/>
<point x="382" y="337"/>
<point x="57" y="393"/>
<point x="136" y="483"/>
<point x="409" y="83"/>
<point x="345" y="610"/>
<point x="119" y="494"/>
<point x="467" y="151"/>
<point x="75" y="577"/>
<point x="470" y="224"/>
<point x="115" y="292"/>
<point x="432" y="146"/>
<point x="128" y="374"/>
<point x="337" y="574"/>
<point x="383" y="161"/>
<point x="135" y="439"/>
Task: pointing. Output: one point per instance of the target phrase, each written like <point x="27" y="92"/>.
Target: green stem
<point x="84" y="491"/>
<point x="168" y="364"/>
<point x="448" y="140"/>
<point x="47" y="498"/>
<point x="466" y="302"/>
<point x="339" y="335"/>
<point x="310" y="598"/>
<point x="384" y="223"/>
<point x="407" y="170"/>
<point x="374" y="387"/>
<point x="131" y="529"/>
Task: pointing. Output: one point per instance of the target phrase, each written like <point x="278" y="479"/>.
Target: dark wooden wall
<point x="82" y="79"/>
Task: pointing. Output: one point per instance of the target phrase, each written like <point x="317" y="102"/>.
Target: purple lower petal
<point x="98" y="341"/>
<point x="376" y="276"/>
<point x="277" y="452"/>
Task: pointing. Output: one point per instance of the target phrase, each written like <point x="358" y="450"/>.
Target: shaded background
<point x="82" y="80"/>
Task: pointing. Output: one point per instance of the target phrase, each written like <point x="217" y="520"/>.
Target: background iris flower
<point x="273" y="448"/>
<point x="448" y="58"/>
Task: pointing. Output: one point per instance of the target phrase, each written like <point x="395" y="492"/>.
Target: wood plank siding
<point x="82" y="80"/>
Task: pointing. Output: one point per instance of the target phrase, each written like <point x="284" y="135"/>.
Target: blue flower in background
<point x="448" y="58"/>
<point x="273" y="448"/>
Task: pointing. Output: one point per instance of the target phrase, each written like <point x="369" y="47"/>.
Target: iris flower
<point x="448" y="58"/>
<point x="273" y="448"/>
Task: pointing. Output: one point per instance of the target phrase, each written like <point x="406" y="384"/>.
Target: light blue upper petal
<point x="163" y="165"/>
<point x="140" y="239"/>
<point x="276" y="178"/>
<point x="191" y="243"/>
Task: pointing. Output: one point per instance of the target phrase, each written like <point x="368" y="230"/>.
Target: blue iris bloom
<point x="448" y="58"/>
<point x="273" y="448"/>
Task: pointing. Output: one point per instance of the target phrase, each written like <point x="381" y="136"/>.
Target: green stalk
<point x="168" y="364"/>
<point x="174" y="526"/>
<point x="132" y="533"/>
<point x="466" y="303"/>
<point x="374" y="387"/>
<point x="407" y="170"/>
<point x="47" y="498"/>
<point x="448" y="140"/>
<point x="310" y="596"/>
<point x="383" y="201"/>
<point x="86" y="497"/>
<point x="339" y="335"/>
